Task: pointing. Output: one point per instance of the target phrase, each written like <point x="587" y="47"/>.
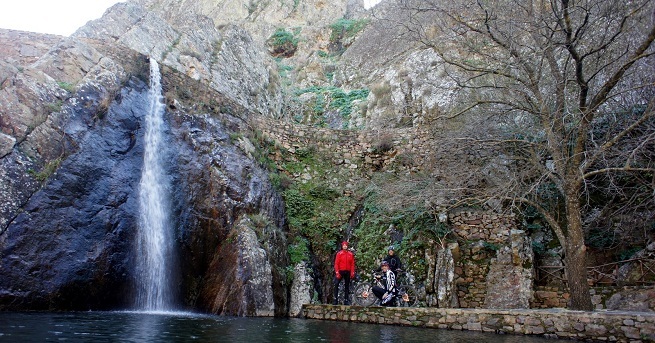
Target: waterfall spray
<point x="154" y="247"/>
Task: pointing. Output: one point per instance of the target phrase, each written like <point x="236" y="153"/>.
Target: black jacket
<point x="394" y="262"/>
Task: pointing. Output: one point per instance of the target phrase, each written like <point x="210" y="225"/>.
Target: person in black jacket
<point x="393" y="260"/>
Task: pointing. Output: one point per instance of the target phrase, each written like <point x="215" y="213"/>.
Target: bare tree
<point x="550" y="73"/>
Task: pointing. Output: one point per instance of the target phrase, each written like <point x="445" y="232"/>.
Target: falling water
<point x="154" y="248"/>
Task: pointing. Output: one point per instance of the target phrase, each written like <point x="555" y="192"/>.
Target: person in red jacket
<point x="344" y="269"/>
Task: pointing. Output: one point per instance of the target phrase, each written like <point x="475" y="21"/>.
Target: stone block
<point x="545" y="294"/>
<point x="595" y="330"/>
<point x="534" y="330"/>
<point x="631" y="332"/>
<point x="474" y="326"/>
<point x="532" y="321"/>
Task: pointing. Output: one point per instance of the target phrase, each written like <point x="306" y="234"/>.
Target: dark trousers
<point x="345" y="277"/>
<point x="379" y="293"/>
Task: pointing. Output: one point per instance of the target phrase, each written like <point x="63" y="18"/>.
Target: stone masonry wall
<point x="489" y="227"/>
<point x="480" y="236"/>
<point x="599" y="326"/>
<point x="602" y="298"/>
<point x="367" y="150"/>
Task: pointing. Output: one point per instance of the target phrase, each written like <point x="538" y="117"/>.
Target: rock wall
<point x="366" y="150"/>
<point x="66" y="230"/>
<point x="24" y="48"/>
<point x="627" y="298"/>
<point x="495" y="269"/>
<point x="70" y="169"/>
<point x="301" y="289"/>
<point x="562" y="324"/>
<point x="227" y="60"/>
<point x="491" y="257"/>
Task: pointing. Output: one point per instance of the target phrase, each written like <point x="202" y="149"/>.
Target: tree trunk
<point x="576" y="256"/>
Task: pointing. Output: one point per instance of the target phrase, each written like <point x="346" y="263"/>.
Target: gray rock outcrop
<point x="227" y="59"/>
<point x="444" y="279"/>
<point x="72" y="151"/>
<point x="301" y="289"/>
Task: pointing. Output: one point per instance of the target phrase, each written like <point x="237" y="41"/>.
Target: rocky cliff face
<point x="72" y="151"/>
<point x="71" y="148"/>
<point x="227" y="59"/>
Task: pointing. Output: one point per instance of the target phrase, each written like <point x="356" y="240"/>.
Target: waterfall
<point x="154" y="239"/>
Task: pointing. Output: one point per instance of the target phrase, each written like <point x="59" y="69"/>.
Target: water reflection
<point x="188" y="327"/>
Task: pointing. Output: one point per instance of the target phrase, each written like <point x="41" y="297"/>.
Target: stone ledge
<point x="613" y="326"/>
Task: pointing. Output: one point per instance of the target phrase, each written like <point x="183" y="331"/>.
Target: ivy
<point x="299" y="207"/>
<point x="346" y="28"/>
<point x="298" y="250"/>
<point x="334" y="98"/>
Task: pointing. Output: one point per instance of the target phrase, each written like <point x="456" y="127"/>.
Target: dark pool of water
<point x="186" y="327"/>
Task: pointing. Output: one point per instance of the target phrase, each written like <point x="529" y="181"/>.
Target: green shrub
<point x="306" y="154"/>
<point x="298" y="250"/>
<point x="323" y="192"/>
<point x="55" y="106"/>
<point x="69" y="87"/>
<point x="235" y="136"/>
<point x="298" y="206"/>
<point x="334" y="98"/>
<point x="47" y="170"/>
<point x="627" y="254"/>
<point x="280" y="181"/>
<point x="346" y="28"/>
<point x="490" y="246"/>
<point x="283" y="43"/>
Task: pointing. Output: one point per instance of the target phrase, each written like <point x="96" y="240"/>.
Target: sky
<point x="61" y="17"/>
<point x="371" y="3"/>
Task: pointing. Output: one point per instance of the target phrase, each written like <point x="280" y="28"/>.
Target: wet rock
<point x="69" y="246"/>
<point x="239" y="278"/>
<point x="70" y="171"/>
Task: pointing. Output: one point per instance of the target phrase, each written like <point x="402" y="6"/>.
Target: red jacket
<point x="345" y="261"/>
